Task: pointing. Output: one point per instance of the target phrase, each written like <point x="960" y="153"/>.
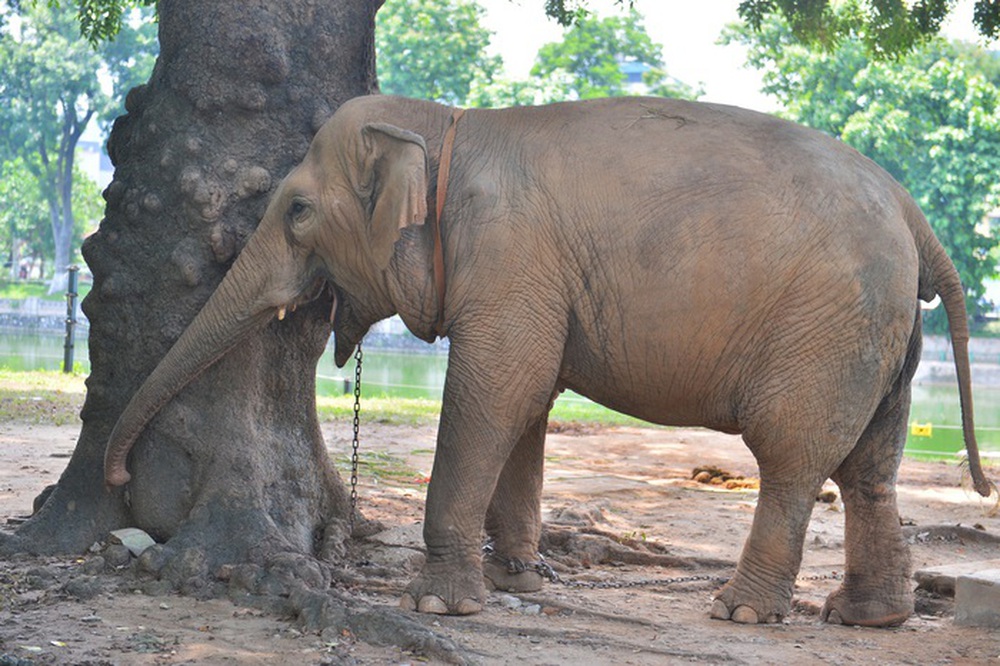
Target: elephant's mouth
<point x="311" y="293"/>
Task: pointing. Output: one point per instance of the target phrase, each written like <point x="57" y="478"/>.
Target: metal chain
<point x="355" y="442"/>
<point x="543" y="569"/>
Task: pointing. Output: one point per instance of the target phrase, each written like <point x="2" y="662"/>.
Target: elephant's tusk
<point x="281" y="313"/>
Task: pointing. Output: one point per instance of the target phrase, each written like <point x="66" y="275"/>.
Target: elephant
<point x="689" y="264"/>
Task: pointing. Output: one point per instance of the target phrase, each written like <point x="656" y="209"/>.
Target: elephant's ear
<point x="396" y="184"/>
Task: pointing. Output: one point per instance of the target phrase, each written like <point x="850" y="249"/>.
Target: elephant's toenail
<point x="468" y="607"/>
<point x="833" y="617"/>
<point x="432" y="604"/>
<point x="407" y="603"/>
<point x="745" y="615"/>
<point x="719" y="610"/>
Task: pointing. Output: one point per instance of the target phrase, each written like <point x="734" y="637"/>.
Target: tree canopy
<point x="932" y="119"/>
<point x="433" y="49"/>
<point x="885" y="27"/>
<point x="889" y="26"/>
<point x="438" y="50"/>
<point x="593" y="57"/>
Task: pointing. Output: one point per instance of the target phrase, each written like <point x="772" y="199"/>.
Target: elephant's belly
<point x="660" y="394"/>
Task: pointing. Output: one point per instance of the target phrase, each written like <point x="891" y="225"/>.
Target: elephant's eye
<point x="296" y="210"/>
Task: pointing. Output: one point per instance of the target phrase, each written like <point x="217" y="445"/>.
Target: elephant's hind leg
<point x="761" y="589"/>
<point x="876" y="590"/>
<point x="797" y="446"/>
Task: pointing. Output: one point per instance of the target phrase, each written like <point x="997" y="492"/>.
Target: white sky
<point x="687" y="30"/>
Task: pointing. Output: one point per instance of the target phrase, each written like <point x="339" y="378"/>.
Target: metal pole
<point x="70" y="319"/>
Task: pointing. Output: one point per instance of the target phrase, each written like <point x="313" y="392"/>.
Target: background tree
<point x="24" y="218"/>
<point x="595" y="58"/>
<point x="589" y="61"/>
<point x="49" y="92"/>
<point x="25" y="231"/>
<point x="433" y="49"/>
<point x="931" y="118"/>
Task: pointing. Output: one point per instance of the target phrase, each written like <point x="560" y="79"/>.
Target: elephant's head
<point x="334" y="219"/>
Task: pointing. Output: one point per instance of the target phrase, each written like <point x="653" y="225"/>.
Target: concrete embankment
<point x="937" y="364"/>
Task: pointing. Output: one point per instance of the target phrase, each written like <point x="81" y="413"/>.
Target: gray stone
<point x="132" y="538"/>
<point x="977" y="599"/>
<point x="510" y="601"/>
<point x="941" y="579"/>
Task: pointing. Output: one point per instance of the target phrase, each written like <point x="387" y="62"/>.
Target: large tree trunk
<point x="234" y="470"/>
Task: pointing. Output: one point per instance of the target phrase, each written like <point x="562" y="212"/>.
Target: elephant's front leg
<point x="493" y="395"/>
<point x="514" y="518"/>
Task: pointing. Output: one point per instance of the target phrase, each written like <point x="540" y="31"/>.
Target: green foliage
<point x="570" y="12"/>
<point x="103" y="20"/>
<point x="589" y="60"/>
<point x="931" y="118"/>
<point x="24" y="217"/>
<point x="436" y="49"/>
<point x="433" y="49"/>
<point x="886" y="28"/>
<point x="99" y="20"/>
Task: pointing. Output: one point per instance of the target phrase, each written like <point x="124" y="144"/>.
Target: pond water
<point x="934" y="415"/>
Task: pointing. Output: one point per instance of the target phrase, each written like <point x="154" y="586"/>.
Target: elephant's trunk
<point x="234" y="310"/>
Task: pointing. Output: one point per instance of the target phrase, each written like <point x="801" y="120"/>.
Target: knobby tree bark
<point x="235" y="469"/>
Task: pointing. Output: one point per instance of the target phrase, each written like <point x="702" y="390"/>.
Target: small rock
<point x="156" y="588"/>
<point x="117" y="555"/>
<point x="83" y="588"/>
<point x="93" y="566"/>
<point x="134" y="539"/>
<point x="533" y="609"/>
<point x="510" y="602"/>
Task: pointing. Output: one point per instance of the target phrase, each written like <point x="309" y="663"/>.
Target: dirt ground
<point x="625" y="495"/>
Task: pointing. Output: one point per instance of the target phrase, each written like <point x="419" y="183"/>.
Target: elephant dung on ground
<point x="688" y="264"/>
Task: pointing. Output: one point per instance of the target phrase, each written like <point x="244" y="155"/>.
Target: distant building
<point x="634" y="71"/>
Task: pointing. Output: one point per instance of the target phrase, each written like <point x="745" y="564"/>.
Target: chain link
<point x="355" y="442"/>
<point x="543" y="569"/>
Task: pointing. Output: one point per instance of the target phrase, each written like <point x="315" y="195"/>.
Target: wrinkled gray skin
<point x="689" y="264"/>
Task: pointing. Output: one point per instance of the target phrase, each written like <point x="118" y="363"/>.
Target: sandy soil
<point x="624" y="494"/>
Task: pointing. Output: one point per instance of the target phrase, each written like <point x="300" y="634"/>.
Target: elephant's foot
<point x="748" y="607"/>
<point x="499" y="577"/>
<point x="445" y="593"/>
<point x="871" y="610"/>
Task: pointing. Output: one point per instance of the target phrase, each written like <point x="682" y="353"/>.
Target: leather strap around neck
<point x="444" y="167"/>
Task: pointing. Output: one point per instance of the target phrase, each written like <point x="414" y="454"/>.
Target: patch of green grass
<point x="54" y="397"/>
<point x="382" y="409"/>
<point x="21" y="289"/>
<point x="577" y="410"/>
<point x="378" y="466"/>
<point x="40" y="397"/>
<point x="422" y="411"/>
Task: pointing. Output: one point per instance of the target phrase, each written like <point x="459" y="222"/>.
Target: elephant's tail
<point x="939" y="277"/>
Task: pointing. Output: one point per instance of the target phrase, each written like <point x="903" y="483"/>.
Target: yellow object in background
<point x="922" y="429"/>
